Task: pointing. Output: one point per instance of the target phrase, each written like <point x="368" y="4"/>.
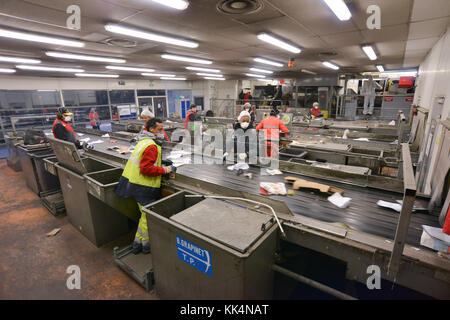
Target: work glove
<point x="170" y="169"/>
<point x="166" y="162"/>
<point x="87" y="146"/>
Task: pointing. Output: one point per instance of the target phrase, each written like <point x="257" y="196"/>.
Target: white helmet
<point x="147" y="113"/>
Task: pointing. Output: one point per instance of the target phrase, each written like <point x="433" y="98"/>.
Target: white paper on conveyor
<point x="80" y="134"/>
<point x="339" y="201"/>
<point x="85" y="139"/>
<point x="362" y="139"/>
<point x="437" y="233"/>
<point x="395" y="206"/>
<point x="237" y="166"/>
<point x="98" y="141"/>
<point x="105" y="136"/>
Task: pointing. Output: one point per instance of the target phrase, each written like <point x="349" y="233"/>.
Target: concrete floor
<point x="33" y="266"/>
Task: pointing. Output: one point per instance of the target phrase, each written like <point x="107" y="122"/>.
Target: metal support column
<point x="409" y="196"/>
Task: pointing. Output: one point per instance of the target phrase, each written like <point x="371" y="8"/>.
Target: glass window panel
<point x="122" y="96"/>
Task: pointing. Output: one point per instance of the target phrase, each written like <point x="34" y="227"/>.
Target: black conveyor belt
<point x="363" y="214"/>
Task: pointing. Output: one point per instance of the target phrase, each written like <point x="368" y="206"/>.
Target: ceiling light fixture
<point x="184" y="58"/>
<point x="180" y="79"/>
<point x="42" y="68"/>
<point x="37" y="38"/>
<point x="19" y="60"/>
<point x="255" y="75"/>
<point x="368" y="50"/>
<point x="211" y="78"/>
<point x="307" y="71"/>
<point x="176" y="4"/>
<point x="380" y="68"/>
<point x="340" y="9"/>
<point x="6" y="70"/>
<point x="97" y="75"/>
<point x="330" y="65"/>
<point x="265" y="80"/>
<point x="129" y="69"/>
<point x="158" y="75"/>
<point x="270" y="62"/>
<point x="83" y="57"/>
<point x="115" y="28"/>
<point x="203" y="69"/>
<point x="279" y="43"/>
<point x="210" y="75"/>
<point x="261" y="70"/>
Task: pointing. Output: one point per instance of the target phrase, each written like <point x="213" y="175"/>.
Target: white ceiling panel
<point x="428" y="29"/>
<point x="430" y="9"/>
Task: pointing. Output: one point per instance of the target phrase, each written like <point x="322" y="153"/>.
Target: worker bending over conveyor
<point x="63" y="130"/>
<point x="141" y="178"/>
<point x="315" y="111"/>
<point x="147" y="115"/>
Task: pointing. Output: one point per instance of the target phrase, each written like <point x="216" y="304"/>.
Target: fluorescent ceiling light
<point x="368" y="50"/>
<point x="97" y="75"/>
<point x="176" y="4"/>
<point x="187" y="59"/>
<point x="210" y="75"/>
<point x="19" y="60"/>
<point x="380" y="68"/>
<point x="265" y="80"/>
<point x="261" y="70"/>
<point x="398" y="74"/>
<point x="115" y="28"/>
<point x="270" y="62"/>
<point x="340" y="9"/>
<point x="211" y="78"/>
<point x="330" y="65"/>
<point x="158" y="75"/>
<point x="129" y="69"/>
<point x="279" y="43"/>
<point x="46" y="90"/>
<point x="6" y="70"/>
<point x="180" y="79"/>
<point x="83" y="57"/>
<point x="203" y="69"/>
<point x="307" y="71"/>
<point x="37" y="38"/>
<point x="42" y="68"/>
<point x="255" y="75"/>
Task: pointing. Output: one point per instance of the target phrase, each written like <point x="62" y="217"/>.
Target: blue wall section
<point x="173" y="94"/>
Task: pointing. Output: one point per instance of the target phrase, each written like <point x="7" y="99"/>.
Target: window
<point x="122" y="97"/>
<point x="151" y="93"/>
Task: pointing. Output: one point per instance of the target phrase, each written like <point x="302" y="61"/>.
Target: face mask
<point x="244" y="125"/>
<point x="160" y="136"/>
<point x="68" y="119"/>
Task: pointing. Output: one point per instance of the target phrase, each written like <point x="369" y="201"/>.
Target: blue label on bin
<point x="194" y="255"/>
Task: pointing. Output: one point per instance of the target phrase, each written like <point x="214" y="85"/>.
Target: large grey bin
<point x="210" y="249"/>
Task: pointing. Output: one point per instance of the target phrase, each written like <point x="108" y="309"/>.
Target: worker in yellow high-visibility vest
<point x="141" y="178"/>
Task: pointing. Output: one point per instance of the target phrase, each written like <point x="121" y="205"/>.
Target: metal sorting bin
<point x="210" y="249"/>
<point x="96" y="220"/>
<point x="12" y="140"/>
<point x="32" y="163"/>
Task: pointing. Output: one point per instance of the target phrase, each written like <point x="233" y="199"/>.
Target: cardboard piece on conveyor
<point x="305" y="184"/>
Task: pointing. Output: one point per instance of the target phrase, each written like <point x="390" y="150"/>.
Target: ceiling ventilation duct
<point x="239" y="7"/>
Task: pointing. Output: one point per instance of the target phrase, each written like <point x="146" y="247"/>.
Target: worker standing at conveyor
<point x="63" y="130"/>
<point x="272" y="126"/>
<point x="368" y="90"/>
<point x="93" y="118"/>
<point x="248" y="108"/>
<point x="190" y="118"/>
<point x="141" y="178"/>
<point x="315" y="112"/>
<point x="244" y="123"/>
<point x="147" y="115"/>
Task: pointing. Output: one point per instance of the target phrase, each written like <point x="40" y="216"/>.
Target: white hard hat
<point x="247" y="105"/>
<point x="147" y="113"/>
<point x="315" y="104"/>
<point x="243" y="114"/>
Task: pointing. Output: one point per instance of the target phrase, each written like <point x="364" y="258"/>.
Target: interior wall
<point x="434" y="82"/>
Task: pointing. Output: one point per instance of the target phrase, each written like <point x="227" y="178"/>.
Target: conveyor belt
<point x="363" y="214"/>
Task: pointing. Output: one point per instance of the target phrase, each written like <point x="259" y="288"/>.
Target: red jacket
<point x="315" y="112"/>
<point x="272" y="126"/>
<point x="66" y="126"/>
<point x="147" y="163"/>
<point x="187" y="118"/>
<point x="93" y="117"/>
